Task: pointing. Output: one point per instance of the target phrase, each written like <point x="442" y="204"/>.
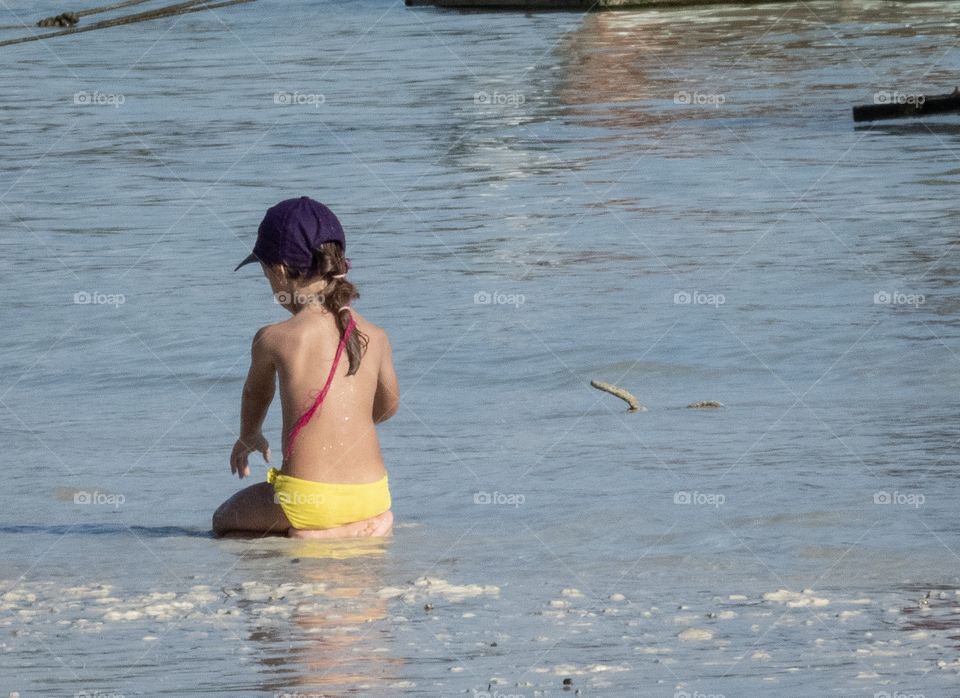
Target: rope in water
<point x="70" y="19"/>
<point x="168" y="11"/>
<point x="107" y="8"/>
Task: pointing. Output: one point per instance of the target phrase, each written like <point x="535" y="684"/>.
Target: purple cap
<point x="292" y="230"/>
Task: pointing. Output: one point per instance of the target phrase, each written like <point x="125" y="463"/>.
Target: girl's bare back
<point x="339" y="444"/>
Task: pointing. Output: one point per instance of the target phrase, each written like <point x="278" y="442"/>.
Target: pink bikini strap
<point x="302" y="422"/>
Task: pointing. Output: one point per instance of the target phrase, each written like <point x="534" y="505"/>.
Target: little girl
<point x="336" y="382"/>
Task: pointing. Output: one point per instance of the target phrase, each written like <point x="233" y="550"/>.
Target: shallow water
<point x="800" y="540"/>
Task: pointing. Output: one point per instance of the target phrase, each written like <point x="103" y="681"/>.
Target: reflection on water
<point x="332" y="636"/>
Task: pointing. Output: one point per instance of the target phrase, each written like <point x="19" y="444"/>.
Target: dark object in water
<point x="566" y="5"/>
<point x="905" y="106"/>
<point x="64" y="19"/>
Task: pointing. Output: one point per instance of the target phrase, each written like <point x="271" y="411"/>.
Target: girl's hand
<point x="244" y="447"/>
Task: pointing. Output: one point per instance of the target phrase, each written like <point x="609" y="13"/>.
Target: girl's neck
<point x="311" y="307"/>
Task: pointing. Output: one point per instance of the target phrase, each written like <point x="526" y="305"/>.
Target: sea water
<point x="674" y="201"/>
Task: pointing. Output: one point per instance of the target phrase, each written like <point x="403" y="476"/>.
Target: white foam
<point x="123" y="615"/>
<point x="425" y="587"/>
<point x="695" y="635"/>
<point x="274" y="611"/>
<point x="563" y="669"/>
<point x="598" y="668"/>
<point x="794" y="599"/>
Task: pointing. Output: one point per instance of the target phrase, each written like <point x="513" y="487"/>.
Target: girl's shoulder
<point x="367" y="327"/>
<point x="285" y="330"/>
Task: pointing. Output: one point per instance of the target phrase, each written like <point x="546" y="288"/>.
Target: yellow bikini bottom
<point x="311" y="505"/>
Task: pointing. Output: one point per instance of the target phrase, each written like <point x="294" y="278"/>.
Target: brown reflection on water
<point x="625" y="69"/>
<point x="334" y="637"/>
<point x="608" y="62"/>
<point x="608" y="57"/>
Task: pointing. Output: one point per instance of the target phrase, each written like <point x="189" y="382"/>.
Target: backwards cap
<point x="291" y="231"/>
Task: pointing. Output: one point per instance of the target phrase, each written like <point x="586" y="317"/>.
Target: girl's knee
<point x="219" y="521"/>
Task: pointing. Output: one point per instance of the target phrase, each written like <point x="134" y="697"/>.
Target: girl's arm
<point x="386" y="401"/>
<point x="258" y="392"/>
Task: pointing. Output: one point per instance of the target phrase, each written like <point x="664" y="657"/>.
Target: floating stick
<point x="702" y="404"/>
<point x="620" y="393"/>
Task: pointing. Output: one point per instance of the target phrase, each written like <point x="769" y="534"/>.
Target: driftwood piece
<point x="624" y="395"/>
<point x="900" y="106"/>
<point x="704" y="404"/>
